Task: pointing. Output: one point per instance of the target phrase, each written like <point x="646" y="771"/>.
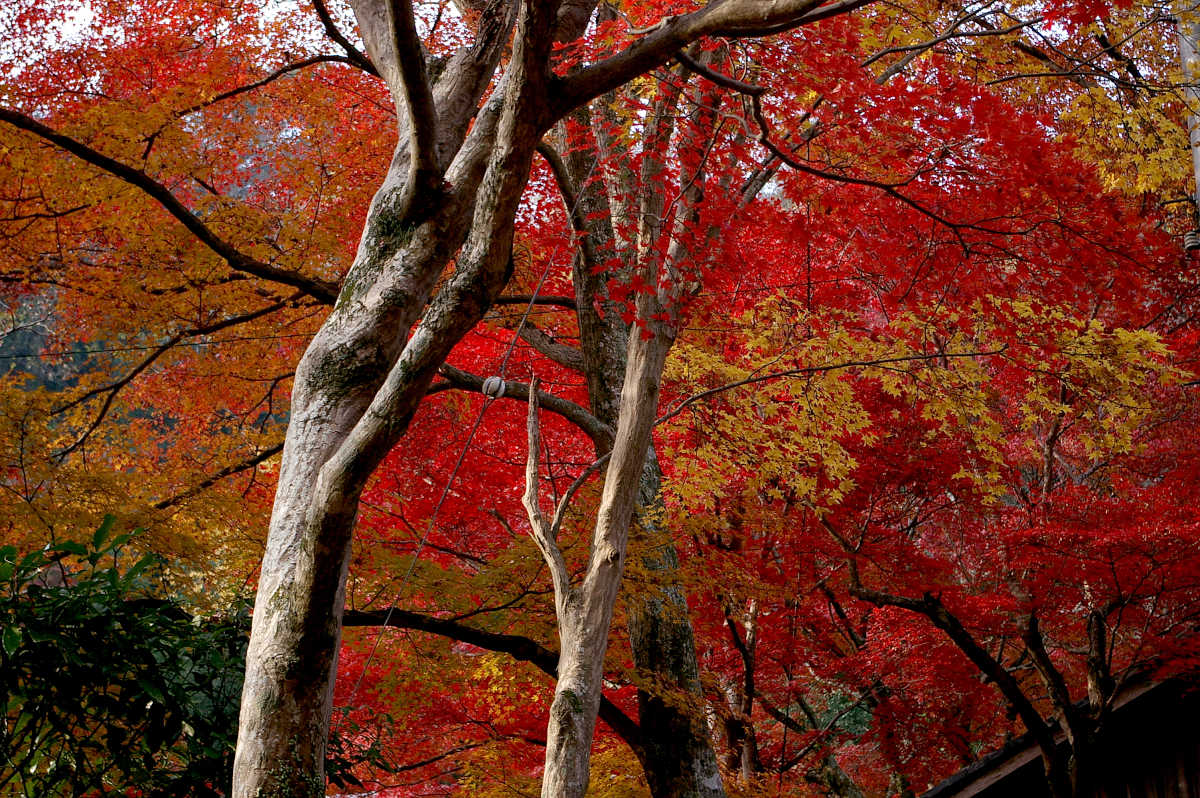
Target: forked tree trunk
<point x="679" y="759"/>
<point x="356" y="389"/>
<point x="451" y="195"/>
<point x="585" y="612"/>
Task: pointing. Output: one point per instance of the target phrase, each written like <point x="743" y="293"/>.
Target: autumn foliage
<point x="928" y="435"/>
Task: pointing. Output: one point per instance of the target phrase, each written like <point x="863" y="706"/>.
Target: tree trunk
<point x="296" y="628"/>
<point x="585" y="613"/>
<point x="356" y="390"/>
<point x="344" y="420"/>
<point x="680" y="761"/>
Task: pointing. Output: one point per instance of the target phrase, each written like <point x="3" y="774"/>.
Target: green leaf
<point x="32" y="560"/>
<point x="39" y="635"/>
<point x="151" y="689"/>
<point x="138" y="567"/>
<point x="103" y="532"/>
<point x="71" y="547"/>
<point x="12" y="640"/>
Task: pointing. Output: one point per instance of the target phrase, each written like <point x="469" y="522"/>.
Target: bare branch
<point x="563" y="179"/>
<point x="1056" y="685"/>
<point x="567" y="302"/>
<point x="565" y="501"/>
<point x="847" y="364"/>
<point x="110" y="390"/>
<point x="660" y="42"/>
<point x="544" y="535"/>
<point x="254" y="461"/>
<point x="410" y="58"/>
<point x="723" y="80"/>
<point x="830" y="10"/>
<point x="286" y="69"/>
<point x="600" y="433"/>
<point x="331" y="30"/>
<point x="562" y="354"/>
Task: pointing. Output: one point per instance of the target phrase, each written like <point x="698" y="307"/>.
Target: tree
<point x="871" y="497"/>
<point x="426" y="210"/>
<point x="452" y="192"/>
<point x="358" y="386"/>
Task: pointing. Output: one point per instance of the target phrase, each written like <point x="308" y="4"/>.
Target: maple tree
<point x="649" y="175"/>
<point x="1043" y="257"/>
<point x="1029" y="459"/>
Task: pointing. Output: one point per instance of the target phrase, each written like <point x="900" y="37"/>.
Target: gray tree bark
<point x="678" y="760"/>
<point x="449" y="198"/>
<point x="585" y="611"/>
<point x="450" y="195"/>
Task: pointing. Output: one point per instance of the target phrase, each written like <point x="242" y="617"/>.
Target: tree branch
<point x="933" y="609"/>
<point x="775" y="375"/>
<point x="562" y="179"/>
<point x="565" y="501"/>
<point x="660" y="42"/>
<point x="600" y="433"/>
<point x="755" y="93"/>
<point x="251" y="462"/>
<point x="331" y="30"/>
<point x="111" y="389"/>
<point x="890" y="189"/>
<point x="823" y="731"/>
<point x="410" y="59"/>
<point x="544" y="535"/>
<point x="520" y="648"/>
<point x="719" y="78"/>
<point x="319" y="289"/>
<point x="1099" y="679"/>
<point x="913" y="51"/>
<point x="1115" y="54"/>
<point x="562" y="354"/>
<point x="1056" y="69"/>
<point x="567" y="302"/>
<point x="1056" y="685"/>
<point x="574" y="208"/>
<point x="286" y="69"/>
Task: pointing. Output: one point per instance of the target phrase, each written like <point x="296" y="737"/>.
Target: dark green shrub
<point x="107" y="687"/>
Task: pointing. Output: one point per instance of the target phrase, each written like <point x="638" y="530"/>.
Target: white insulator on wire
<point x="493" y="387"/>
